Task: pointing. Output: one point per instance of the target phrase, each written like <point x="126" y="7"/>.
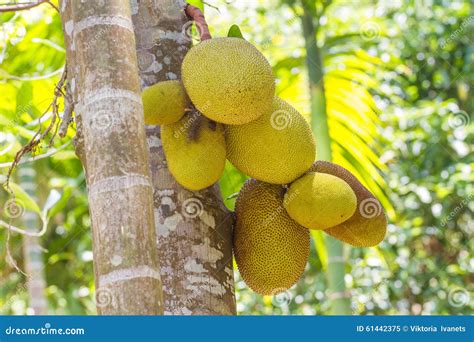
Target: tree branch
<point x="44" y="227"/>
<point x="15" y="7"/>
<point x="37" y="157"/>
<point x="39" y="135"/>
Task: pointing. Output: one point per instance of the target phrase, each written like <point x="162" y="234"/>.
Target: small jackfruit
<point x="164" y="103"/>
<point x="368" y="225"/>
<point x="320" y="201"/>
<point x="196" y="163"/>
<point x="271" y="250"/>
<point x="228" y="80"/>
<point x="276" y="148"/>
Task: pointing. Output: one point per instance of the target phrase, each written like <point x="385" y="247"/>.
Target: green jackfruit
<point x="271" y="250"/>
<point x="228" y="80"/>
<point x="276" y="148"/>
<point x="164" y="103"/>
<point x="368" y="225"/>
<point x="195" y="162"/>
<point x="320" y="201"/>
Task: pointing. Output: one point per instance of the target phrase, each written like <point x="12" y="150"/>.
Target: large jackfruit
<point x="164" y="103"/>
<point x="368" y="225"/>
<point x="228" y="80"/>
<point x="320" y="200"/>
<point x="196" y="162"/>
<point x="271" y="250"/>
<point x="276" y="148"/>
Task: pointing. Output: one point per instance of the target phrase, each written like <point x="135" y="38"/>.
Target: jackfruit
<point x="271" y="250"/>
<point x="320" y="201"/>
<point x="195" y="162"/>
<point x="228" y="80"/>
<point x="368" y="225"/>
<point x="276" y="148"/>
<point x="164" y="103"/>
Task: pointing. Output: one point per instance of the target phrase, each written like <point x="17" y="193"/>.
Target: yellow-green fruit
<point x="271" y="250"/>
<point x="164" y="103"/>
<point x="368" y="225"/>
<point x="320" y="201"/>
<point x="195" y="164"/>
<point x="228" y="80"/>
<point x="276" y="148"/>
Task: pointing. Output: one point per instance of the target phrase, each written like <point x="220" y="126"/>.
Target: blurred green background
<point x="398" y="79"/>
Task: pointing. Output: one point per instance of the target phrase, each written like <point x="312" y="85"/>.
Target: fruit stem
<point x="196" y="14"/>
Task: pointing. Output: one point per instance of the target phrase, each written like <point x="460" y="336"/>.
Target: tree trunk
<point x="340" y="304"/>
<point x="32" y="251"/>
<point x="194" y="227"/>
<point x="111" y="142"/>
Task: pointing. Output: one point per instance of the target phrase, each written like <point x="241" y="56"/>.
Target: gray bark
<point x="194" y="228"/>
<point x="111" y="142"/>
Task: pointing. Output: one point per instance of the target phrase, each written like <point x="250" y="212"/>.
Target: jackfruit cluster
<point x="228" y="82"/>
<point x="225" y="108"/>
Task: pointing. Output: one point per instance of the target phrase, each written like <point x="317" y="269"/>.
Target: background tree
<point x="32" y="250"/>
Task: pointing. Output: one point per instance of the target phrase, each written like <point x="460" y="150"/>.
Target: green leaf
<point x="24" y="99"/>
<point x="320" y="247"/>
<point x="61" y="203"/>
<point x="234" y="31"/>
<point x="53" y="198"/>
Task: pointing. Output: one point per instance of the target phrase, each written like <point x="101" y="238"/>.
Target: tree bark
<point x="338" y="295"/>
<point x="32" y="251"/>
<point x="111" y="142"/>
<point x="194" y="227"/>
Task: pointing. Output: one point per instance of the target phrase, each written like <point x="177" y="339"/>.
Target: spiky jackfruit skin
<point x="195" y="164"/>
<point x="276" y="148"/>
<point x="164" y="103"/>
<point x="228" y="80"/>
<point x="320" y="201"/>
<point x="368" y="225"/>
<point x="271" y="250"/>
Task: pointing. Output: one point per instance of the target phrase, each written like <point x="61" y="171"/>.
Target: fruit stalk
<point x="196" y="14"/>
